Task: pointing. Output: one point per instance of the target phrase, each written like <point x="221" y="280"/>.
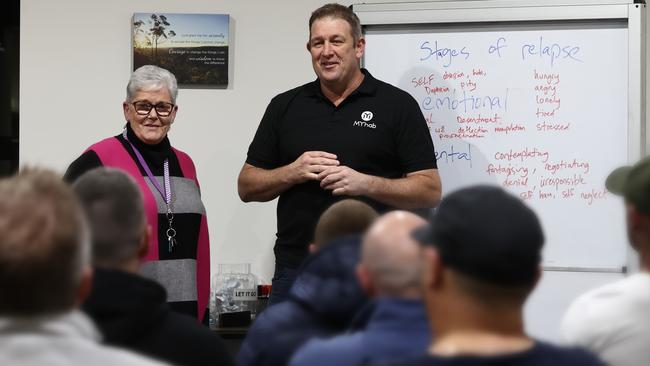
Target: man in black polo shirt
<point x="345" y="134"/>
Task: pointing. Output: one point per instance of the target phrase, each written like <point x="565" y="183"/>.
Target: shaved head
<point x="390" y="256"/>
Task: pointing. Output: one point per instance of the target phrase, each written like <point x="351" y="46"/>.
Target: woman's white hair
<point x="151" y="77"/>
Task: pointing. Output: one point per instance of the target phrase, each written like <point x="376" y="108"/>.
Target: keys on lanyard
<point x="171" y="232"/>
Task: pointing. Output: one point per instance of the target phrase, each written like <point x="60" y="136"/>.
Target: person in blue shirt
<point x="389" y="272"/>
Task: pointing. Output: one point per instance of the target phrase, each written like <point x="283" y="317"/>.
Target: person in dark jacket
<point x="132" y="311"/>
<point x="326" y="295"/>
<point x="389" y="272"/>
<point x="322" y="302"/>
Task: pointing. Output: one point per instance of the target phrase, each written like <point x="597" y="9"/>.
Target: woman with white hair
<point x="179" y="251"/>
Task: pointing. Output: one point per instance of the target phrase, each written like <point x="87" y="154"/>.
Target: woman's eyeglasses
<point x="144" y="108"/>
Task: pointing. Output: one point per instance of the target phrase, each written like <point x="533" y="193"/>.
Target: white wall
<point x="76" y="61"/>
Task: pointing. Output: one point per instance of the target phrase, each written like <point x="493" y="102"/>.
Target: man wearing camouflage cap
<point x="613" y="321"/>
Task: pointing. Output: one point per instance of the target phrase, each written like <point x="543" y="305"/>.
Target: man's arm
<point x="259" y="184"/>
<point x="418" y="189"/>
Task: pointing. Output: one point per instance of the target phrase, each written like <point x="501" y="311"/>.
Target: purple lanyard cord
<point x="166" y="194"/>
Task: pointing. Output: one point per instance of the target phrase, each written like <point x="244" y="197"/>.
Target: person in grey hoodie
<point x="45" y="274"/>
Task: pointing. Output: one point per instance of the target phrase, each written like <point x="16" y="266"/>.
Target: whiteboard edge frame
<point x="376" y="5"/>
<point x="637" y="129"/>
<point x="383" y="14"/>
<point x="423" y="13"/>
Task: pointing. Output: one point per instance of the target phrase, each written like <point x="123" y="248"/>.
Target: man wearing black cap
<point x="482" y="254"/>
<point x="614" y="321"/>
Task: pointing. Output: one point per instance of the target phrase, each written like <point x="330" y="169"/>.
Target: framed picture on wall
<point x="192" y="46"/>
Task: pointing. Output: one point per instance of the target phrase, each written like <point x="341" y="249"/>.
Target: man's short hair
<point x="492" y="295"/>
<point x="346" y="217"/>
<point x="489" y="237"/>
<point x="115" y="211"/>
<point x="338" y="11"/>
<point x="43" y="244"/>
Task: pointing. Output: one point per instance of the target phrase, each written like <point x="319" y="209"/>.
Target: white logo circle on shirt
<point x="366" y="116"/>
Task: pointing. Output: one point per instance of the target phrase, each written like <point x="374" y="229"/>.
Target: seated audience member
<point x="44" y="276"/>
<point x="481" y="261"/>
<point x="346" y="217"/>
<point x="389" y="272"/>
<point x="325" y="296"/>
<point x="614" y="321"/>
<point x="130" y="310"/>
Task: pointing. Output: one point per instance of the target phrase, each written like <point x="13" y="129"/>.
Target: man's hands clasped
<point x="324" y="167"/>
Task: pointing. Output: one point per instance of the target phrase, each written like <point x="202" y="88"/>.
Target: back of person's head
<point x="44" y="251"/>
<point x="390" y="257"/>
<point x="115" y="212"/>
<point x="346" y="217"/>
<point x="487" y="245"/>
<point x="633" y="184"/>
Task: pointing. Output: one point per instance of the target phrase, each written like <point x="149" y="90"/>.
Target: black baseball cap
<point x="633" y="183"/>
<point x="488" y="234"/>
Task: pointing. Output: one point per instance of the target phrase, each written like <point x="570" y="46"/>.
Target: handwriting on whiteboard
<point x="550" y="51"/>
<point x="463" y="106"/>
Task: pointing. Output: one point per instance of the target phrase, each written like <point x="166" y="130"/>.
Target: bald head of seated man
<point x="389" y="273"/>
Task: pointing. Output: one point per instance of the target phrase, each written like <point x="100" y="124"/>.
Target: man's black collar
<point x="367" y="87"/>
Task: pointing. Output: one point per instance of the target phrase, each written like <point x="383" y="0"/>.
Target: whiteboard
<point x="541" y="111"/>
